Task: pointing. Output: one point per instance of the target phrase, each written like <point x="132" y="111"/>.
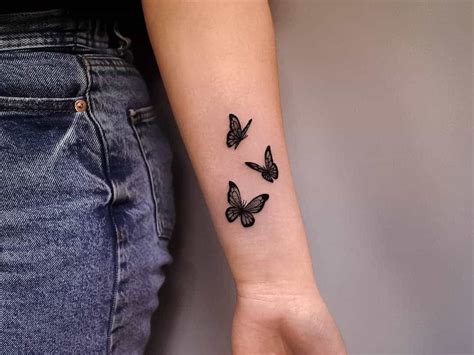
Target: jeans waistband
<point x="62" y="29"/>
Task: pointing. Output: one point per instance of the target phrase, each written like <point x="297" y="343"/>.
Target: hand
<point x="283" y="324"/>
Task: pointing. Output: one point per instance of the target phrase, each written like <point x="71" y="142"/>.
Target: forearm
<point x="218" y="58"/>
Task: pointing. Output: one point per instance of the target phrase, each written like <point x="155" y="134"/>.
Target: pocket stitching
<point x="39" y="104"/>
<point x="135" y="118"/>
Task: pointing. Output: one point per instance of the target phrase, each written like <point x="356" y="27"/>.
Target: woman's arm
<point x="218" y="58"/>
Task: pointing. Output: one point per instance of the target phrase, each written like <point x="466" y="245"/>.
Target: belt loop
<point x="125" y="43"/>
<point x="126" y="40"/>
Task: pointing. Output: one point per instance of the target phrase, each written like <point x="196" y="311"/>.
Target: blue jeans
<point x="86" y="202"/>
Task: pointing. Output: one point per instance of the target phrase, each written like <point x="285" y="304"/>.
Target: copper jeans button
<point x="80" y="105"/>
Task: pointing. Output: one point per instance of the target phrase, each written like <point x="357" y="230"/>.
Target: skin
<point x="215" y="58"/>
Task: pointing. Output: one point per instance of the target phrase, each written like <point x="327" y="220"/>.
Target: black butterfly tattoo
<point x="236" y="133"/>
<point x="241" y="208"/>
<point x="270" y="170"/>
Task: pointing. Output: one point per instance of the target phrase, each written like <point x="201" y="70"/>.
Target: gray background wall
<point x="377" y="101"/>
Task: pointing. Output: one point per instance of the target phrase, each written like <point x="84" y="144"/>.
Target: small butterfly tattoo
<point x="270" y="170"/>
<point x="241" y="208"/>
<point x="236" y="133"/>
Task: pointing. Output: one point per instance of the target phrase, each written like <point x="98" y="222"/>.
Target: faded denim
<point x="86" y="203"/>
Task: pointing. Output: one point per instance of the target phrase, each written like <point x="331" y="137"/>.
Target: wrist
<point x="280" y="288"/>
<point x="292" y="274"/>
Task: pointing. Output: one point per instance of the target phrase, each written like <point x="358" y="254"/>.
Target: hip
<point x="86" y="202"/>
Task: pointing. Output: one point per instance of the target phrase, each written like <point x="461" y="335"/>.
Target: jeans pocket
<point x="41" y="81"/>
<point x="157" y="157"/>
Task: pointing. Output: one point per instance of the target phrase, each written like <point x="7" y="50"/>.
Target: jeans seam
<point x="109" y="61"/>
<point x="105" y="156"/>
<point x="158" y="226"/>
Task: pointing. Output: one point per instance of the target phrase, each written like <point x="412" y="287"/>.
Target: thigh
<point x="86" y="207"/>
<point x="56" y="236"/>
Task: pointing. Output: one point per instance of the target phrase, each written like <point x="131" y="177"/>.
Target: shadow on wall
<point x="382" y="113"/>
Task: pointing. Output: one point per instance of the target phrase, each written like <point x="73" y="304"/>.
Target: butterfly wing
<point x="234" y="123"/>
<point x="267" y="176"/>
<point x="234" y="136"/>
<point x="247" y="219"/>
<point x="268" y="157"/>
<point x="235" y="201"/>
<point x="254" y="166"/>
<point x="232" y="213"/>
<point x="256" y="204"/>
<point x="271" y="167"/>
<point x="274" y="171"/>
<point x="233" y="195"/>
<point x="233" y="139"/>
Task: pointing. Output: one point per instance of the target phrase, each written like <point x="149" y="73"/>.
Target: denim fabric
<point x="86" y="203"/>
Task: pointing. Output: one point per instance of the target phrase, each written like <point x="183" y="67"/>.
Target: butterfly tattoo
<point x="236" y="133"/>
<point x="241" y="208"/>
<point x="270" y="170"/>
